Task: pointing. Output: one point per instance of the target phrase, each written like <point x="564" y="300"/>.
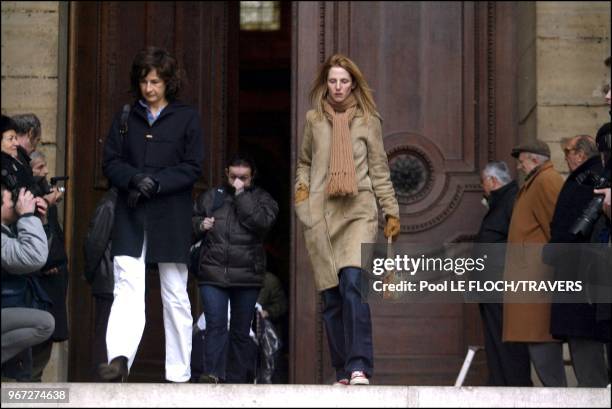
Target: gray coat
<point x="27" y="250"/>
<point x="24" y="250"/>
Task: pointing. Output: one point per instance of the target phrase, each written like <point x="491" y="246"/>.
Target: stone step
<point x="227" y="395"/>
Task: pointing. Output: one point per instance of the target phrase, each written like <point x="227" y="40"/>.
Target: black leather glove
<point x="145" y="184"/>
<point x="133" y="196"/>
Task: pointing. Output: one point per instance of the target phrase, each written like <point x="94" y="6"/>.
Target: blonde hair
<point x="362" y="92"/>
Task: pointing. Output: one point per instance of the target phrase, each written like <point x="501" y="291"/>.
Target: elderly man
<point x="53" y="276"/>
<point x="28" y="131"/>
<point x="508" y="363"/>
<point x="576" y="323"/>
<point x="530" y="226"/>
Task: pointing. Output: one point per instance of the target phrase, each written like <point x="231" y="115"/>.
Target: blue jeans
<point x="227" y="354"/>
<point x="348" y="325"/>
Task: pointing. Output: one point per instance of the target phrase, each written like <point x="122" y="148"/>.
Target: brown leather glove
<point x="301" y="193"/>
<point x="392" y="228"/>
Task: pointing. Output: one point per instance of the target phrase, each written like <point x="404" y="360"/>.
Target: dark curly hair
<point x="154" y="58"/>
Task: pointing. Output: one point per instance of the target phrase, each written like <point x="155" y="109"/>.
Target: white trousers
<point x="126" y="321"/>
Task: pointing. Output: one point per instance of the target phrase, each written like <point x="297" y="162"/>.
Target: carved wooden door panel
<point x="436" y="70"/>
<point x="104" y="38"/>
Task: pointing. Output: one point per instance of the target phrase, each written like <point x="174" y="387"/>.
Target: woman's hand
<point x="301" y="193"/>
<point x="392" y="229"/>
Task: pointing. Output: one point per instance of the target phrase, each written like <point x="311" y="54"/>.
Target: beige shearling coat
<point x="529" y="231"/>
<point x="335" y="228"/>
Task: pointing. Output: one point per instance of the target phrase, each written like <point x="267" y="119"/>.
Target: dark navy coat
<point x="172" y="152"/>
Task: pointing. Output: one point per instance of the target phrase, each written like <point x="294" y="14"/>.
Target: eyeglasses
<point x="568" y="150"/>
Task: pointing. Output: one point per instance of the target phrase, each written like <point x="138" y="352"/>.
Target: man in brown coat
<point x="529" y="231"/>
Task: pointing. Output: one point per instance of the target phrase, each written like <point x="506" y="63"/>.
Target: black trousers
<point x="508" y="362"/>
<point x="103" y="306"/>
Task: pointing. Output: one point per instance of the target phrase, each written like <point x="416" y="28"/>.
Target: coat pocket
<point x="321" y="256"/>
<point x="302" y="210"/>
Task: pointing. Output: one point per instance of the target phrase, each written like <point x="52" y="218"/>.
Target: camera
<point x="584" y="223"/>
<point x="39" y="188"/>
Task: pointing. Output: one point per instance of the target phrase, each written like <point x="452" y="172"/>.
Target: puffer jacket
<point x="232" y="253"/>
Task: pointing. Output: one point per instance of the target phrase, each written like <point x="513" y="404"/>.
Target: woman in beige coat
<point x="342" y="169"/>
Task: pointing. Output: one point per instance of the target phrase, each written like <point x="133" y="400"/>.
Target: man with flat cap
<point x="529" y="230"/>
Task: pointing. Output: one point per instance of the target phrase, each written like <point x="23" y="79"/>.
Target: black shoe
<point x="116" y="371"/>
<point x="208" y="379"/>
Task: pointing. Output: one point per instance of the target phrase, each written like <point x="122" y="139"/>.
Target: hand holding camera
<point x="606" y="200"/>
<point x="25" y="203"/>
<point x="41" y="208"/>
<point x="55" y="196"/>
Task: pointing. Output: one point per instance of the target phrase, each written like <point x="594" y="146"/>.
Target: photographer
<point x="606" y="202"/>
<point x="24" y="250"/>
<point x="51" y="193"/>
<point x="28" y="132"/>
<point x="604" y="147"/>
<point x="53" y="276"/>
<point x="602" y="229"/>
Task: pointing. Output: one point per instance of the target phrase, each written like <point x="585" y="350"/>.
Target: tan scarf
<point x="342" y="180"/>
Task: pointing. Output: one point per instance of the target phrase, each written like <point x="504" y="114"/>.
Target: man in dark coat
<point x="154" y="164"/>
<point x="508" y="362"/>
<point x="573" y="322"/>
<point x="53" y="276"/>
<point x="99" y="270"/>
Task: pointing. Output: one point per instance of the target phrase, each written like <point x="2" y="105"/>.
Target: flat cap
<point x="532" y="146"/>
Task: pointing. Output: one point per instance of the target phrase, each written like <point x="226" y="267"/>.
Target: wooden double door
<point x="442" y="75"/>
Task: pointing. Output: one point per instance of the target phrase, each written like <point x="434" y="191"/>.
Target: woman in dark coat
<point x="16" y="170"/>
<point x="232" y="221"/>
<point x="154" y="165"/>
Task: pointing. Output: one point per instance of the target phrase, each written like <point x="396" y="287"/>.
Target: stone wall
<point x="32" y="82"/>
<point x="30" y="49"/>
<point x="572" y="40"/>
